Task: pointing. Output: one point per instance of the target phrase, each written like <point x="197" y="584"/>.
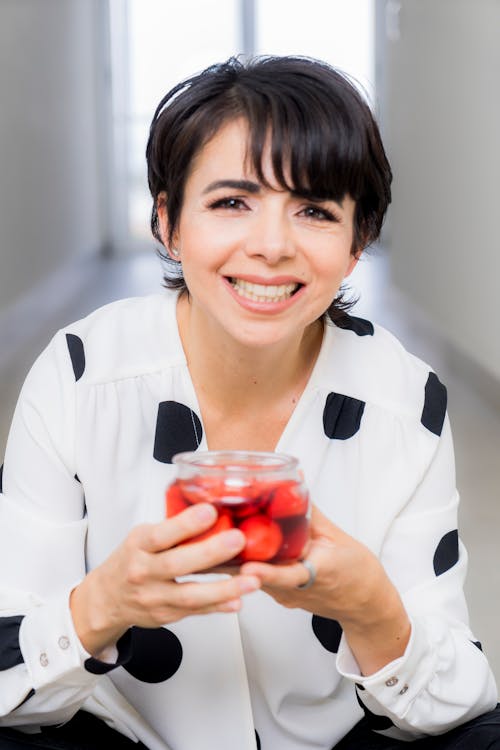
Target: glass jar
<point x="263" y="494"/>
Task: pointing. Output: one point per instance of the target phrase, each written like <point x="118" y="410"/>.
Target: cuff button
<point x="391" y="681"/>
<point x="44" y="659"/>
<point x="403" y="690"/>
<point x="63" y="642"/>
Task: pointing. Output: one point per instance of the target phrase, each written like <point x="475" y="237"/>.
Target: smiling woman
<point x="268" y="181"/>
<point x="312" y="145"/>
<point x="242" y="236"/>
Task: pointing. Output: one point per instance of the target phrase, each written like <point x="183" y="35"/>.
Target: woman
<point x="268" y="181"/>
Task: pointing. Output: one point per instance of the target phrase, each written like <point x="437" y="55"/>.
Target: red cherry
<point x="287" y="500"/>
<point x="175" y="501"/>
<point x="245" y="508"/>
<point x="223" y="523"/>
<point x="263" y="537"/>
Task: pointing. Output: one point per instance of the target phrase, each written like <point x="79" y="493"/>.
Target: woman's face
<point x="261" y="264"/>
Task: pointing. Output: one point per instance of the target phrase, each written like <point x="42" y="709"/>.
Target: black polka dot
<point x="178" y="429"/>
<point x="446" y="554"/>
<point x="77" y="354"/>
<point x="342" y="416"/>
<point x="434" y="410"/>
<point x="360" y="326"/>
<point x="257" y="740"/>
<point x="156" y="655"/>
<point x="10" y="651"/>
<point x="478" y="645"/>
<point x="328" y="632"/>
<point x="124" y="648"/>
<point x="374" y="721"/>
<point x="1" y="478"/>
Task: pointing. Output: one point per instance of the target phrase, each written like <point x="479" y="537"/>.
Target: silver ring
<point x="308" y="565"/>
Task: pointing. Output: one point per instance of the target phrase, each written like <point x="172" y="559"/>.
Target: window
<point x="341" y="32"/>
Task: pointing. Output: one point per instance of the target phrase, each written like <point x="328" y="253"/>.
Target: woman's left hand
<point x="351" y="586"/>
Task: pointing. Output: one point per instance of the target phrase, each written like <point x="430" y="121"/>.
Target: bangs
<point x="316" y="150"/>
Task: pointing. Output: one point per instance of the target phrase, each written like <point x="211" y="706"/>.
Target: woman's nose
<point x="271" y="237"/>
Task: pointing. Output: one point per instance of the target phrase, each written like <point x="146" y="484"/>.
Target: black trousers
<point x="482" y="733"/>
<point x="85" y="732"/>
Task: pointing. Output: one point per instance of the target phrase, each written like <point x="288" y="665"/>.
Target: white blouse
<point x="101" y="414"/>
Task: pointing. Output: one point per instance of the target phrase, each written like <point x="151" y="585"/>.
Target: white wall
<point x="442" y="126"/>
<point x="49" y="140"/>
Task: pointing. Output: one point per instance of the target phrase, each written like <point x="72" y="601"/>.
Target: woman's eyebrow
<point x="254" y="187"/>
<point x="246" y="185"/>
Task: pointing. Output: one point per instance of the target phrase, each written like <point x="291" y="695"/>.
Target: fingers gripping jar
<point x="262" y="494"/>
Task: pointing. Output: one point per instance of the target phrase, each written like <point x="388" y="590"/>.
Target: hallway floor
<point x="476" y="426"/>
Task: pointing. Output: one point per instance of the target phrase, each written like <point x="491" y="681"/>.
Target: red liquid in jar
<point x="273" y="515"/>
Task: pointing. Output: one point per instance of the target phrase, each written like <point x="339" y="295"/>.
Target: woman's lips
<point x="259" y="292"/>
<point x="261" y="297"/>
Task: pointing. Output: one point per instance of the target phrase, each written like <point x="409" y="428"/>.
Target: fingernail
<point x="233" y="539"/>
<point x="233" y="606"/>
<point x="205" y="512"/>
<point x="248" y="584"/>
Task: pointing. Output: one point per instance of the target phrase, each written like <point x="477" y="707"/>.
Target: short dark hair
<point x="323" y="135"/>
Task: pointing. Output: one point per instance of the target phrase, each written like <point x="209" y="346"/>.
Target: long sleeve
<point x="443" y="679"/>
<point x="44" y="671"/>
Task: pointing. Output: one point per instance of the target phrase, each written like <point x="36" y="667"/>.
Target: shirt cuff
<point x="51" y="649"/>
<point x="49" y="644"/>
<point x="397" y="684"/>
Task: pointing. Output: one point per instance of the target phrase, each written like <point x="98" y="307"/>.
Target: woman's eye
<point x="232" y="203"/>
<point x="314" y="212"/>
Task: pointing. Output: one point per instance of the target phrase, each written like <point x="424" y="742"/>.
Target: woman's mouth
<point x="263" y="292"/>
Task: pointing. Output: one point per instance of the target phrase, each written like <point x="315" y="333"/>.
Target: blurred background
<point x="79" y="81"/>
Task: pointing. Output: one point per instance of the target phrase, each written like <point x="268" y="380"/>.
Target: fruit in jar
<point x="273" y="515"/>
<point x="175" y="501"/>
<point x="287" y="501"/>
<point x="223" y="523"/>
<point x="263" y="535"/>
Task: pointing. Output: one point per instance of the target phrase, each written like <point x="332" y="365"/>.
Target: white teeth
<point x="263" y="292"/>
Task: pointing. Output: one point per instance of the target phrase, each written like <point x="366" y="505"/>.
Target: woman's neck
<point x="232" y="376"/>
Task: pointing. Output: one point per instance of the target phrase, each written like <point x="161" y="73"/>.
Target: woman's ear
<point x="161" y="210"/>
<point x="163" y="225"/>
<point x="353" y="262"/>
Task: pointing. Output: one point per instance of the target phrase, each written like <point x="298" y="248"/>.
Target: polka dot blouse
<point x="102" y="412"/>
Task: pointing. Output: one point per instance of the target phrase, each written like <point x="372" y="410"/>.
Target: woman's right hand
<point x="136" y="585"/>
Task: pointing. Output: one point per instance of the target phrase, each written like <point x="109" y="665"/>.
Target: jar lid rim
<point x="236" y="460"/>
